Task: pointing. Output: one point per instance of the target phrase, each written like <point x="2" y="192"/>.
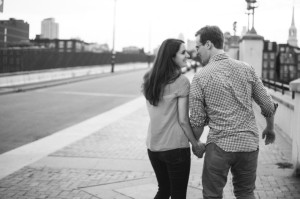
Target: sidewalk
<point x="112" y="163"/>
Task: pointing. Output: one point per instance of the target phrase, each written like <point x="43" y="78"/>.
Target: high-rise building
<point x="191" y="45"/>
<point x="49" y="29"/>
<point x="181" y="37"/>
<point x="13" y="32"/>
<point x="292" y="40"/>
<point x="244" y="31"/>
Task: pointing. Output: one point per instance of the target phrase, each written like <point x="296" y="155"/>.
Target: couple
<point x="219" y="96"/>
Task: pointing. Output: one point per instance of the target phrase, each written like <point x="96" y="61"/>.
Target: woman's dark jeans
<point x="172" y="169"/>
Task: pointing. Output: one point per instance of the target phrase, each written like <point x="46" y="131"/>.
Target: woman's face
<point x="181" y="57"/>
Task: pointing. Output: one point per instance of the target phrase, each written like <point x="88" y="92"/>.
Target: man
<point x="221" y="97"/>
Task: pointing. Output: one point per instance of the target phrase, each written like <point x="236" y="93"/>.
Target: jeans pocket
<point x="252" y="157"/>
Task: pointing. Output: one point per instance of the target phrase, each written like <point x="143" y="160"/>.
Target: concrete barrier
<point x="295" y="86"/>
<point x="287" y="119"/>
<point x="284" y="117"/>
<point x="21" y="78"/>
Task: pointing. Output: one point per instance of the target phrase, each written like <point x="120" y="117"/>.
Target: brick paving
<point x="60" y="183"/>
<point x="124" y="141"/>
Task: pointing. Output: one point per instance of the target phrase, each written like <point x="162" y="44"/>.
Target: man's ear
<point x="209" y="45"/>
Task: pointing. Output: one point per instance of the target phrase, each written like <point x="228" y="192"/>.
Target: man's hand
<point x="269" y="134"/>
<point x="199" y="150"/>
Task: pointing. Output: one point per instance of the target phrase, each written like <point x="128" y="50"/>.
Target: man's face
<point x="202" y="51"/>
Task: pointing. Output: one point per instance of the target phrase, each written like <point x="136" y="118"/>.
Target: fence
<point x="278" y="86"/>
<point x="16" y="60"/>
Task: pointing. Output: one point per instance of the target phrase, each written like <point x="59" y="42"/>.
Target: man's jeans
<point x="217" y="163"/>
<point x="172" y="169"/>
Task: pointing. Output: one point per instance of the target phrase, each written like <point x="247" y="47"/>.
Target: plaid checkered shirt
<point x="221" y="97"/>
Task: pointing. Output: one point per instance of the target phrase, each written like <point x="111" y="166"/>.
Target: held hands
<point x="199" y="149"/>
<point x="269" y="134"/>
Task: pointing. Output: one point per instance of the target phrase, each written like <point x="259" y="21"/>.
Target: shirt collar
<point x="218" y="57"/>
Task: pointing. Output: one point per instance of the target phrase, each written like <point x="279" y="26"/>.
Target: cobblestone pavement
<point x="113" y="163"/>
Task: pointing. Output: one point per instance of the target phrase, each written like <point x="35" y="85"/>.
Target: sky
<point x="146" y="23"/>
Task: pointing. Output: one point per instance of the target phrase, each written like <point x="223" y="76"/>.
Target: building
<point x="181" y="37"/>
<point x="281" y="62"/>
<point x="191" y="48"/>
<point x="269" y="66"/>
<point x="60" y="45"/>
<point x="292" y="40"/>
<point x="244" y="31"/>
<point x="13" y="32"/>
<point x="133" y="50"/>
<point x="231" y="45"/>
<point x="98" y="48"/>
<point x="191" y="45"/>
<point x="288" y="61"/>
<point x="49" y="29"/>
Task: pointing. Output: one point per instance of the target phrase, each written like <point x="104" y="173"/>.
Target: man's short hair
<point x="213" y="34"/>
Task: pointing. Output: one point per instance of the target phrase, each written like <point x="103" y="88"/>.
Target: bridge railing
<point x="279" y="86"/>
<point x="21" y="60"/>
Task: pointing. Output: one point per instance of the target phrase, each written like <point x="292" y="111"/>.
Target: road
<point x="32" y="115"/>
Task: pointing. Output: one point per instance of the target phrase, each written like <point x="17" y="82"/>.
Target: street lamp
<point x="251" y="6"/>
<point x="248" y="13"/>
<point x="113" y="54"/>
<point x="149" y="44"/>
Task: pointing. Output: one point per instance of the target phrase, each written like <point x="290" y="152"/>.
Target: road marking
<point x="18" y="158"/>
<point x="88" y="94"/>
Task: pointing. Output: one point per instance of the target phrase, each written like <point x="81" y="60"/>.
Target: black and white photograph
<point x="149" y="99"/>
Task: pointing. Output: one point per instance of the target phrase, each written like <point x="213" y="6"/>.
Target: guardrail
<point x="278" y="86"/>
<point x="22" y="60"/>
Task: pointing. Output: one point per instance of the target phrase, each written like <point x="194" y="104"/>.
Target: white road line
<point x="16" y="159"/>
<point x="88" y="94"/>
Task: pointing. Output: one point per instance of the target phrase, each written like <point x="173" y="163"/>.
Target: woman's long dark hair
<point x="164" y="71"/>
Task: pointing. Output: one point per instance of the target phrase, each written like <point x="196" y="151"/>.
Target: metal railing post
<point x="293" y="94"/>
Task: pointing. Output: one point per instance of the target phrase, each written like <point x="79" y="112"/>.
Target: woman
<point x="169" y="132"/>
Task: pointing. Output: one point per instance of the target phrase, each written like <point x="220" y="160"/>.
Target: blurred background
<point x="37" y="34"/>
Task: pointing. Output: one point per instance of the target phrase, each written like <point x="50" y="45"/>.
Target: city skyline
<point x="145" y="23"/>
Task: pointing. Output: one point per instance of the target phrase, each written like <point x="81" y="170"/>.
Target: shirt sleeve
<point x="183" y="87"/>
<point x="198" y="115"/>
<point x="262" y="97"/>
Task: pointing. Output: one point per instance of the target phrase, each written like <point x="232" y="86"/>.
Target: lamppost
<point x="248" y="13"/>
<point x="251" y="6"/>
<point x="5" y="37"/>
<point x="113" y="54"/>
<point x="149" y="45"/>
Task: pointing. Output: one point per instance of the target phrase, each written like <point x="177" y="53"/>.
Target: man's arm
<point x="268" y="107"/>
<point x="262" y="97"/>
